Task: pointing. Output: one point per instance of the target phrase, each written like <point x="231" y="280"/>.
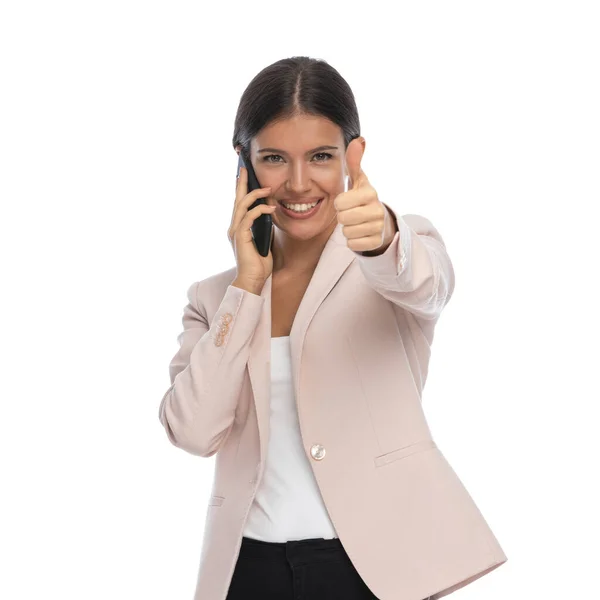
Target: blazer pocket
<point x="216" y="500"/>
<point x="389" y="457"/>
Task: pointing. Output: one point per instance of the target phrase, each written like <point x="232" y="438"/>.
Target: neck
<point x="291" y="255"/>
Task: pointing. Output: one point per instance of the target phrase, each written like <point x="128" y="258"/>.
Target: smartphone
<point x="263" y="225"/>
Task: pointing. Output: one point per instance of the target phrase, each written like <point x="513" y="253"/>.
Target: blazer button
<point x="317" y="451"/>
<point x="223" y="328"/>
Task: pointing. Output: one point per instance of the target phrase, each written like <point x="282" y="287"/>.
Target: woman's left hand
<point x="366" y="222"/>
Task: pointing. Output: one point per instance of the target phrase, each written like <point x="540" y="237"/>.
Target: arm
<point x="415" y="271"/>
<point x="198" y="409"/>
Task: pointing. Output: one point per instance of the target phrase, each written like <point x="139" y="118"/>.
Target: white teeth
<point x="301" y="207"/>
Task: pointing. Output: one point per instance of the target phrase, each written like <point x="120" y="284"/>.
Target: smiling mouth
<point x="311" y="204"/>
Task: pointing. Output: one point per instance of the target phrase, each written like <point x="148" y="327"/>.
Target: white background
<point x="117" y="178"/>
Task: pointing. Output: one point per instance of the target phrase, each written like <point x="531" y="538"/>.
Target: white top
<point x="288" y="504"/>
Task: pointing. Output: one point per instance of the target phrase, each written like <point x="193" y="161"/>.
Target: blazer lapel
<point x="334" y="260"/>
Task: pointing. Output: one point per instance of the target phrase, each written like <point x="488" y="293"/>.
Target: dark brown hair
<point x="292" y="86"/>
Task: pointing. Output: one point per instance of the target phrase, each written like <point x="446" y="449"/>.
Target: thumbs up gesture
<point x="366" y="222"/>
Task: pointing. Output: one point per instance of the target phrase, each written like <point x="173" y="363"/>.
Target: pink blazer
<point x="360" y="348"/>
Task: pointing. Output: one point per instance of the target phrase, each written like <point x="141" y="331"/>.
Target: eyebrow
<point x="309" y="152"/>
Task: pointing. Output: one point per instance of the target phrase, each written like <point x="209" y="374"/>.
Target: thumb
<point x="354" y="154"/>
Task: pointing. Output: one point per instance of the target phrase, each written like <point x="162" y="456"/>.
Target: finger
<point x="354" y="154"/>
<point x="354" y="200"/>
<point x="243" y="205"/>
<point x="241" y="185"/>
<point x="254" y="195"/>
<point x="253" y="214"/>
<point x="355" y="214"/>
<point x="243" y="218"/>
<point x="371" y="229"/>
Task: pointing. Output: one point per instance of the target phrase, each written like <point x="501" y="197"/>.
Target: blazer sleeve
<point x="415" y="271"/>
<point x="206" y="373"/>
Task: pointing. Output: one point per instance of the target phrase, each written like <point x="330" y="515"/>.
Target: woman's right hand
<point x="252" y="268"/>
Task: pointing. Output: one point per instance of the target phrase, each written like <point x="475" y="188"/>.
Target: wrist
<point x="249" y="286"/>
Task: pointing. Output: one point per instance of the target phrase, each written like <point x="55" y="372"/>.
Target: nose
<point x="298" y="182"/>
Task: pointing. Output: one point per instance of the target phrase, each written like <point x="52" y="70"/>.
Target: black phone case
<point x="263" y="224"/>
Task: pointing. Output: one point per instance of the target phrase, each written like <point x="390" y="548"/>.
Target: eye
<point x="266" y="158"/>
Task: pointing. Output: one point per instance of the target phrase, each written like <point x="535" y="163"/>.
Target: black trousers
<point x="309" y="569"/>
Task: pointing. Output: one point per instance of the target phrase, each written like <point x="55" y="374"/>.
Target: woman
<point x="303" y="372"/>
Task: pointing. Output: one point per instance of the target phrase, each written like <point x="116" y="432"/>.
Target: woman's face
<point x="287" y="156"/>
